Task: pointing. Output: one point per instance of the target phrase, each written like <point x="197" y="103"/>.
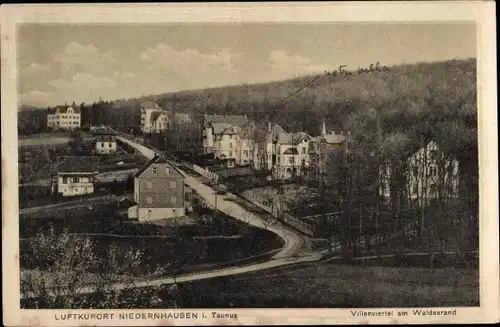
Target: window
<point x="109" y="144"/>
<point x="173" y="199"/>
<point x="64" y="180"/>
<point x="230" y="145"/>
<point x="70" y="179"/>
<point x="149" y="200"/>
<point x="154" y="170"/>
<point x="149" y="185"/>
<point x="433" y="171"/>
<point x="173" y="184"/>
<point x="303" y="150"/>
<point x="102" y="144"/>
<point x="167" y="171"/>
<point x="415" y="189"/>
<point x="290" y="160"/>
<point x="230" y="153"/>
<point x="245" y="153"/>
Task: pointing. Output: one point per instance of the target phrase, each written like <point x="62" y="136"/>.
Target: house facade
<point x="215" y="126"/>
<point x="158" y="192"/>
<point x="64" y="117"/>
<point x="153" y="118"/>
<point x="76" y="175"/>
<point x="105" y="143"/>
<point x="429" y="174"/>
<point x="284" y="154"/>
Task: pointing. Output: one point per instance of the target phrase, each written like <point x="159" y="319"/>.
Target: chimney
<point x="332" y="132"/>
<point x="323" y="128"/>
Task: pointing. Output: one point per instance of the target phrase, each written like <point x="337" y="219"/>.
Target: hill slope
<point x="407" y="95"/>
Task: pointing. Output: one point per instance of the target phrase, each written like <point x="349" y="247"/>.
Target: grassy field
<point x="53" y="138"/>
<point x="324" y="285"/>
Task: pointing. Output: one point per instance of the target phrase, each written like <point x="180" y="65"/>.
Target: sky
<point x="60" y="64"/>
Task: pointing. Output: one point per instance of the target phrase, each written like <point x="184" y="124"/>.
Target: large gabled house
<point x="158" y="191"/>
<point x="153" y="118"/>
<point x="429" y="174"/>
<point x="285" y="154"/>
<point x="221" y="128"/>
<point x="64" y="118"/>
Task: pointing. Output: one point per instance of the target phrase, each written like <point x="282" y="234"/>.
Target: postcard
<point x="249" y="164"/>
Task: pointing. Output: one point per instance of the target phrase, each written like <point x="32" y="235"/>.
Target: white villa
<point x="153" y="118"/>
<point x="64" y="117"/>
<point x="214" y="126"/>
<point x="430" y="175"/>
<point x="285" y="154"/>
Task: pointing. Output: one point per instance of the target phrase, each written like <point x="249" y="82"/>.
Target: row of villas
<point x="237" y="141"/>
<point x="429" y="173"/>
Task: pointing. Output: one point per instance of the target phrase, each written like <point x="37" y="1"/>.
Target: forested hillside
<point x="436" y="98"/>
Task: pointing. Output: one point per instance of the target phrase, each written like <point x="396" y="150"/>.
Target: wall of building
<point x="148" y="214"/>
<point x="105" y="147"/>
<point x="78" y="186"/>
<point x="64" y="120"/>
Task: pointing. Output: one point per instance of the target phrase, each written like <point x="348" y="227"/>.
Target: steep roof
<point x="275" y="132"/>
<point x="292" y="138"/>
<point x="156" y="159"/>
<point x="79" y="164"/>
<point x="224" y="128"/>
<point x="237" y="120"/>
<point x="64" y="109"/>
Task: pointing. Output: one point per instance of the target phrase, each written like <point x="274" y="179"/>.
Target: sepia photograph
<point x="165" y="168"/>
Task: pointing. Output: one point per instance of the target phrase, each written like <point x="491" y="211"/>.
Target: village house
<point x="429" y="174"/>
<point x="64" y="118"/>
<point x="158" y="191"/>
<point x="323" y="147"/>
<point x="153" y="118"/>
<point x="105" y="143"/>
<point x="285" y="154"/>
<point x="215" y="127"/>
<point x="76" y="174"/>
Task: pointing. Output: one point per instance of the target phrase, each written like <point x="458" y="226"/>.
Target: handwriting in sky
<point x="342" y="70"/>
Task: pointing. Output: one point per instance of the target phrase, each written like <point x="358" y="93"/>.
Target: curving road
<point x="290" y="253"/>
<point x="225" y="203"/>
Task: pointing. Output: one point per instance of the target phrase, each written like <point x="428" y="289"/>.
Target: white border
<point x="412" y="12"/>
